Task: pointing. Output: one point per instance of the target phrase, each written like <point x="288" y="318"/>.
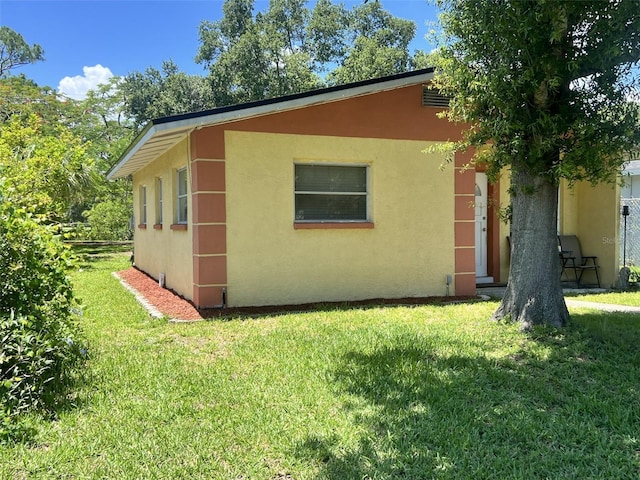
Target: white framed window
<point x="331" y="193"/>
<point x="143" y="204"/>
<point x="181" y="205"/>
<point x="159" y="201"/>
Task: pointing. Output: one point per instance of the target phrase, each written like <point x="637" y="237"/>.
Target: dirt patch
<point x="180" y="309"/>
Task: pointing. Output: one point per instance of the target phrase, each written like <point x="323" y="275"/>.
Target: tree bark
<point x="534" y="293"/>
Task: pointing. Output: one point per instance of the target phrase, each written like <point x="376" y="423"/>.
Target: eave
<point x="161" y="134"/>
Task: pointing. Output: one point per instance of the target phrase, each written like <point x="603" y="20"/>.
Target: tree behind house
<point x="290" y="48"/>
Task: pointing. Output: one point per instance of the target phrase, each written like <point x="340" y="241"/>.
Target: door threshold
<point x="481" y="280"/>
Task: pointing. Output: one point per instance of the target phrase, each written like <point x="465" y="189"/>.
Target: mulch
<point x="178" y="308"/>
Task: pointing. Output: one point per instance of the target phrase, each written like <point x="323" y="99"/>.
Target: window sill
<point x="331" y="225"/>
<point x="157" y="226"/>
<point x="178" y="226"/>
<point x="142" y="226"/>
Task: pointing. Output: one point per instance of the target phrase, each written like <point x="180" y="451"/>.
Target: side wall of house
<point x="421" y="231"/>
<point x="422" y="225"/>
<point x="592" y="213"/>
<point x="164" y="247"/>
<point x="407" y="252"/>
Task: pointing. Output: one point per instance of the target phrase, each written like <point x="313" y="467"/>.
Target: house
<point x="630" y="197"/>
<point x="631" y="176"/>
<point x="325" y="196"/>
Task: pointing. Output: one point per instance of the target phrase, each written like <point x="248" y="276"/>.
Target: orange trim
<point x="464" y="207"/>
<point x="209" y="239"/>
<point x="394" y="114"/>
<point x="465" y="181"/>
<point x="204" y="297"/>
<point x="207" y="143"/>
<point x="463" y="159"/>
<point x="209" y="208"/>
<point x="157" y="226"/>
<point x="466" y="284"/>
<point x="207" y="176"/>
<point x="178" y="226"/>
<point x="210" y="271"/>
<point x="465" y="234"/>
<point x="142" y="226"/>
<point x="331" y="225"/>
<point x="465" y="260"/>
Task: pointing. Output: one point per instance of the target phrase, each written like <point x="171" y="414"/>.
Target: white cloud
<point x="78" y="86"/>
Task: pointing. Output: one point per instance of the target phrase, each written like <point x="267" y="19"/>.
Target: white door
<point x="481" y="224"/>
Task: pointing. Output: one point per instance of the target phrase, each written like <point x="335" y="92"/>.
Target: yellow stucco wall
<point x="168" y="251"/>
<point x="568" y="209"/>
<point x="409" y="252"/>
<point x="592" y="213"/>
<point x="598" y="227"/>
<point x="505" y="256"/>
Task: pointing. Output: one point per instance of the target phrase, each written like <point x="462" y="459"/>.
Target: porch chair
<point x="572" y="258"/>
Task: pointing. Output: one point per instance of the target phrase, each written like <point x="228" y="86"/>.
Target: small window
<point x="143" y="205"/>
<point x="159" y="201"/>
<point x="181" y="216"/>
<point x="332" y="193"/>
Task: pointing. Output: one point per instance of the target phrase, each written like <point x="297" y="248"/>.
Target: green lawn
<point x="618" y="298"/>
<point x="376" y="393"/>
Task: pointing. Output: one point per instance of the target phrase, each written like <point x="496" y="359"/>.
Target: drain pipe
<point x="224" y="297"/>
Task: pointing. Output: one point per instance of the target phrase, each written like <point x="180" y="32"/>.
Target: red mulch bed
<point x="178" y="308"/>
<point x="163" y="299"/>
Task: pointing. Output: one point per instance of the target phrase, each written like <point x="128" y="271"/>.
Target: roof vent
<point x="432" y="98"/>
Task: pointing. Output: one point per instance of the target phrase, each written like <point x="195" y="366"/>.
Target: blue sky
<point x="86" y="41"/>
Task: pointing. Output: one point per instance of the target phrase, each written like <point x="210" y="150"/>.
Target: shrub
<point x="109" y="220"/>
<point x="40" y="339"/>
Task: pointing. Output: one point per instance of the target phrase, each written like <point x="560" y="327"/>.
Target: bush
<point x="42" y="350"/>
<point x="109" y="220"/>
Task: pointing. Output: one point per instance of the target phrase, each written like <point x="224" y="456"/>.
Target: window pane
<point x="331" y="207"/>
<point x="182" y="210"/>
<point x="330" y="178"/>
<point x="143" y="204"/>
<point x="182" y="181"/>
<point x="159" y="202"/>
<point x="182" y="196"/>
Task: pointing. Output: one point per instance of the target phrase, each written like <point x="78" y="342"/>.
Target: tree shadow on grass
<point x="23" y="427"/>
<point x="563" y="406"/>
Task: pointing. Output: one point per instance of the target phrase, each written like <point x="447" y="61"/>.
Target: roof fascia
<point x="147" y="132"/>
<point x="192" y="121"/>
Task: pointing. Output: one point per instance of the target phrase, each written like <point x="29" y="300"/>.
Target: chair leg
<point x="597" y="277"/>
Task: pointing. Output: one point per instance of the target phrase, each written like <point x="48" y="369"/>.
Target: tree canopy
<point x="547" y="86"/>
<point x="158" y="93"/>
<point x="290" y="48"/>
<point x="54" y="151"/>
<point x="16" y="52"/>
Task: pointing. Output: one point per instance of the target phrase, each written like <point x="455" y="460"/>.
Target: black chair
<point x="572" y="259"/>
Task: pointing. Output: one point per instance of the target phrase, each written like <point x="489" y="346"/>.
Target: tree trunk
<point x="534" y="294"/>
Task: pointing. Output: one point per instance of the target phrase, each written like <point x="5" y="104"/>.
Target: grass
<point x="618" y="298"/>
<point x="377" y="393"/>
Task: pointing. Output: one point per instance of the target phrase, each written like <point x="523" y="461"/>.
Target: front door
<point x="481" y="224"/>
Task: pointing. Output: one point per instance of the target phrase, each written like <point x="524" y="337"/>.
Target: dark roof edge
<point x="162" y="123"/>
<point x="286" y="98"/>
